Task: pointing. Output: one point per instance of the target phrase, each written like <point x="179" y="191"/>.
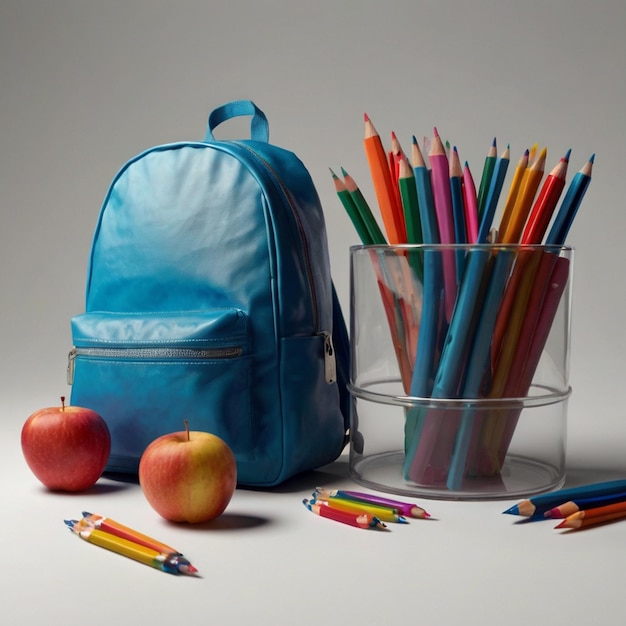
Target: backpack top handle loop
<point x="259" y="126"/>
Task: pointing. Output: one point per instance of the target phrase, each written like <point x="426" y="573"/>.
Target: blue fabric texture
<point x="209" y="298"/>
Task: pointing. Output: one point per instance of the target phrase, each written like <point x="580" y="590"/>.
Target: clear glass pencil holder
<point x="459" y="369"/>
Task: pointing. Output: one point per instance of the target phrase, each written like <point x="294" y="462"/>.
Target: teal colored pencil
<point x="485" y="181"/>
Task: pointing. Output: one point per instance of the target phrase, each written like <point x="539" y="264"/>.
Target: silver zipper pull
<point x="330" y="365"/>
<point x="70" y="366"/>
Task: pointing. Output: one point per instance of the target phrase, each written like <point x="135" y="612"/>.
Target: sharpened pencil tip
<point x="366" y="117"/>
<point x="332" y="173"/>
<point x="567" y="154"/>
<point x="561" y="525"/>
<point x="494" y="143"/>
<point x="435" y="132"/>
<point x="592" y="158"/>
<point x="514" y="510"/>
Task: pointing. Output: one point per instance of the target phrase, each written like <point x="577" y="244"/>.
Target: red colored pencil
<point x="546" y="202"/>
<point x="360" y="520"/>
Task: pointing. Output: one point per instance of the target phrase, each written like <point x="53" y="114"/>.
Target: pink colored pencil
<point x="442" y="197"/>
<point x="471" y="205"/>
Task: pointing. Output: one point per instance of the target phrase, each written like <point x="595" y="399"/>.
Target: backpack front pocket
<point x="147" y="372"/>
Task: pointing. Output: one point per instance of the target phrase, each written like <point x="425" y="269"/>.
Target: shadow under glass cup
<point x="460" y="394"/>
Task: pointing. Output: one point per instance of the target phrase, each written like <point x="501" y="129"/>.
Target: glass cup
<point x="460" y="388"/>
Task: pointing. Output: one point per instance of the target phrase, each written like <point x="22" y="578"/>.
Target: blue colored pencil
<point x="569" y="206"/>
<point x="582" y="504"/>
<point x="458" y="211"/>
<point x="536" y="506"/>
<point x="425" y="365"/>
<point x="477" y="365"/>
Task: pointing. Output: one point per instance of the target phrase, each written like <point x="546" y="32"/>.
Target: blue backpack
<point x="209" y="298"/>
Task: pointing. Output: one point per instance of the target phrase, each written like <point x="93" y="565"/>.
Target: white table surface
<point x="267" y="560"/>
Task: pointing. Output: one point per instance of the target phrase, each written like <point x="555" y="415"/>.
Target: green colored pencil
<point x="485" y="181"/>
<point x="375" y="233"/>
<point x="351" y="209"/>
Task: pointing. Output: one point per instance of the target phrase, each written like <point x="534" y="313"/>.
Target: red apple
<point x="188" y="476"/>
<point x="66" y="447"/>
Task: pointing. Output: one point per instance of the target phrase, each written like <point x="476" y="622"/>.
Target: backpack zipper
<point x="228" y="352"/>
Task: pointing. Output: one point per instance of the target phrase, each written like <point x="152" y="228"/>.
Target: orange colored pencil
<point x="383" y="184"/>
<point x="598" y="515"/>
<point x="546" y="202"/>
<point x="526" y="194"/>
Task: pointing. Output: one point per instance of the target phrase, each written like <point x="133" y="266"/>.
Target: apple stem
<point x="62" y="403"/>
<point x="186" y="428"/>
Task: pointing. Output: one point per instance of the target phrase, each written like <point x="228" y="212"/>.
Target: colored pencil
<point x="493" y="195"/>
<point x="477" y="365"/>
<point x="375" y="233"/>
<point x="428" y="344"/>
<point x="556" y="286"/>
<point x="538" y="505"/>
<point x="471" y="204"/>
<point x="395" y="157"/>
<point x="571" y="203"/>
<point x="440" y="175"/>
<point x="172" y="564"/>
<point x="410" y="202"/>
<point x="405" y="508"/>
<point x="383" y="184"/>
<point x="352" y="210"/>
<point x="518" y="176"/>
<point x="106" y="524"/>
<point x="528" y="188"/>
<point x="545" y="204"/>
<point x="582" y="504"/>
<point x="428" y="216"/>
<point x="485" y="180"/>
<point x="359" y="520"/>
<point x="458" y="210"/>
<point x="598" y="515"/>
<point x="432" y="449"/>
<point x="383" y="513"/>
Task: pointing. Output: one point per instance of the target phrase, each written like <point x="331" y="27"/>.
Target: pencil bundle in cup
<point x="470" y="280"/>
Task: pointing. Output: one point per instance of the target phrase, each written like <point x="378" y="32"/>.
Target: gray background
<point x="85" y="85"/>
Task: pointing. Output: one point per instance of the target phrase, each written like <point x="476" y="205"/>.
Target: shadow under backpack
<point x="209" y="298"/>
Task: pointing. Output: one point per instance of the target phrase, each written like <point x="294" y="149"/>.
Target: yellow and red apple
<point x="66" y="447"/>
<point x="188" y="476"/>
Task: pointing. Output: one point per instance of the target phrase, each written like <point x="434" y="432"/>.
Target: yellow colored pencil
<point x="384" y="514"/>
<point x="527" y="190"/>
<point x="509" y="205"/>
<point x="172" y="564"/>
